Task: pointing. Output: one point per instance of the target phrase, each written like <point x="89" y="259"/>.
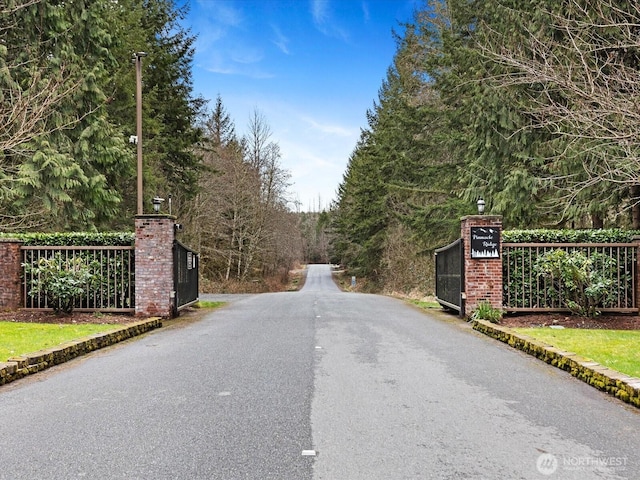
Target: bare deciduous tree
<point x="239" y="220"/>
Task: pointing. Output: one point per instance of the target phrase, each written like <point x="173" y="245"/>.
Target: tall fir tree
<point x="65" y="175"/>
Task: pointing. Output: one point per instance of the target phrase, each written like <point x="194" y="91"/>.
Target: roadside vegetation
<point x="20" y="338"/>
<point x="616" y="349"/>
<point x="529" y="105"/>
<point x="207" y="304"/>
<point x="426" y="304"/>
<point x="523" y="103"/>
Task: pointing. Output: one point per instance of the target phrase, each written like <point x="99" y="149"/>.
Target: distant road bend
<point x="316" y="384"/>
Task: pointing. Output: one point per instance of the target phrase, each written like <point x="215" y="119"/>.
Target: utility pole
<point x="137" y="57"/>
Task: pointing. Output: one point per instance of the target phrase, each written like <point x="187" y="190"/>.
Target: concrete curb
<point x="621" y="386"/>
<point x="21" y="366"/>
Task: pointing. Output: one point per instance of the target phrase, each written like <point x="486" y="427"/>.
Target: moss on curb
<point x="621" y="386"/>
<point x="23" y="365"/>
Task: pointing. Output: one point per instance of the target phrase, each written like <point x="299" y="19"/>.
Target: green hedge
<point x="115" y="239"/>
<point x="569" y="236"/>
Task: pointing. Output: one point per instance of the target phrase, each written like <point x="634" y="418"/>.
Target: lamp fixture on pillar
<point x="480" y="206"/>
<point x="157" y="201"/>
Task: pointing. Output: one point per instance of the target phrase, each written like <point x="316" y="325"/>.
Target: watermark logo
<point x="547" y="464"/>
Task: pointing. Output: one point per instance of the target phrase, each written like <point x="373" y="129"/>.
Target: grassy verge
<point x="616" y="349"/>
<point x="426" y="304"/>
<point x="209" y="304"/>
<point x="21" y="338"/>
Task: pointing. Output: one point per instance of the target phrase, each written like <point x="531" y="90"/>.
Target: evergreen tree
<point x="421" y="173"/>
<point x="490" y="130"/>
<point x="360" y="214"/>
<point x="64" y="174"/>
<point x="218" y="128"/>
<point x="579" y="67"/>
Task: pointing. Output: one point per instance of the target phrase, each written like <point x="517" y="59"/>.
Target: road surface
<point x="316" y="384"/>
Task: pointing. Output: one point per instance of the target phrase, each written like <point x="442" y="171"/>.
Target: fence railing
<point x="524" y="290"/>
<point x="113" y="266"/>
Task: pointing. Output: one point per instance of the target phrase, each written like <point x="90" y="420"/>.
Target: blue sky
<point x="311" y="68"/>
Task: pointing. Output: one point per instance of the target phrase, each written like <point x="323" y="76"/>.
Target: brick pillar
<point x="482" y="275"/>
<point x="636" y="280"/>
<point x="10" y="279"/>
<point x="154" y="265"/>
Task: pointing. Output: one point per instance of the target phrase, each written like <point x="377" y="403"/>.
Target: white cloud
<point x="319" y="10"/>
<point x="281" y="41"/>
<point x="246" y="55"/>
<point x="223" y="12"/>
<point x="315" y="176"/>
<point x="332" y="129"/>
<point x="324" y="21"/>
<point x="255" y="73"/>
<point x="315" y="152"/>
<point x="366" y="12"/>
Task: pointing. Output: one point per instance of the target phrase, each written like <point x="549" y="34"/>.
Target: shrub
<point x="524" y="288"/>
<point x="485" y="311"/>
<point x="581" y="283"/>
<point x="62" y="281"/>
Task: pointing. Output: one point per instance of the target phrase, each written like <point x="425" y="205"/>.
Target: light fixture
<point x="157" y="201"/>
<point x="480" y="206"/>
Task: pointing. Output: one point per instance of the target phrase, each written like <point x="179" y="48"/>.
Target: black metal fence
<point x="186" y="263"/>
<point x="450" y="276"/>
<point x="113" y="268"/>
<point x="525" y="290"/>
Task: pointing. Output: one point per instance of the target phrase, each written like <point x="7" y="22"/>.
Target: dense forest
<point x="68" y="109"/>
<point x="532" y="106"/>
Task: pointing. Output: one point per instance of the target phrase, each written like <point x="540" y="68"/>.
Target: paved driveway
<point x="317" y="384"/>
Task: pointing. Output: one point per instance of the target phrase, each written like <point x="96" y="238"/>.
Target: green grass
<point x="616" y="349"/>
<point x="22" y="338"/>
<point x="209" y="304"/>
<point x="426" y="305"/>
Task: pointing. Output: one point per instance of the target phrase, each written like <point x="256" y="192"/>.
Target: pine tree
<point x="360" y="214"/>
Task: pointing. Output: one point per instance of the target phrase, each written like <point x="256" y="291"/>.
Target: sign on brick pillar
<point x="154" y="265"/>
<point x="482" y="261"/>
<point x="11" y="268"/>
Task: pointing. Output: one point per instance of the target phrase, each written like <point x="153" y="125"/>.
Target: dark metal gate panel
<point x="450" y="276"/>
<point x="186" y="263"/>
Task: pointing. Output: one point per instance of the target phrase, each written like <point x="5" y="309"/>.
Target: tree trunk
<point x="635" y="209"/>
<point x="597" y="221"/>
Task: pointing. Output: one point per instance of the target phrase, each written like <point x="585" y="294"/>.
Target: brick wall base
<point x="10" y="281"/>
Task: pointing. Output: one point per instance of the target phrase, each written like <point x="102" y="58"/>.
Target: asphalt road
<point x="317" y="384"/>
